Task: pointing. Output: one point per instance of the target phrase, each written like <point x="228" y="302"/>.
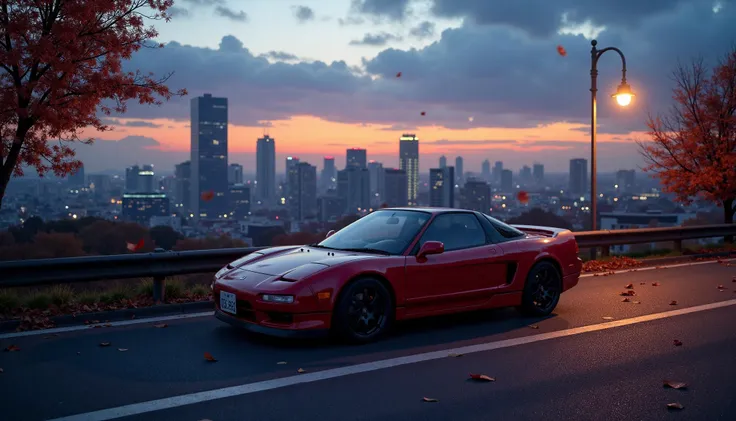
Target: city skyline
<point x="321" y="100"/>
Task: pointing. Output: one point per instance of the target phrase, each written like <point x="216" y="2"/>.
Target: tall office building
<point x="235" y="174"/>
<point x="131" y="179"/>
<point x="443" y="161"/>
<point x="525" y="173"/>
<point x="459" y="174"/>
<point x="239" y="201"/>
<point x="578" y="176"/>
<point x="354" y="189"/>
<point x="377" y="176"/>
<point x="486" y="170"/>
<point x="147" y="180"/>
<point x="626" y="180"/>
<point x="182" y="196"/>
<point x="306" y="191"/>
<point x="442" y="187"/>
<point x="328" y="177"/>
<point x="356" y="157"/>
<point x="477" y="196"/>
<point x="396" y="193"/>
<point x="538" y="173"/>
<point x="497" y="170"/>
<point x="266" y="169"/>
<point x="409" y="162"/>
<point x="507" y="181"/>
<point x="209" y="156"/>
<point x="291" y="192"/>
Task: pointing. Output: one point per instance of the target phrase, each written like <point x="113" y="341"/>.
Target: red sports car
<point x="397" y="264"/>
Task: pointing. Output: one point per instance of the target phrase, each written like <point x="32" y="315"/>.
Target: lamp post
<point x="623" y="96"/>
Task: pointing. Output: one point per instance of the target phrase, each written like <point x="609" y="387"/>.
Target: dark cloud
<point x="400" y="128"/>
<point x="395" y="10"/>
<point x="281" y="55"/>
<point x="351" y="20"/>
<point x="423" y="30"/>
<point x="178" y="12"/>
<point x="376" y="40"/>
<point x="231" y="14"/>
<point x="205" y="2"/>
<point x="303" y="14"/>
<point x="115" y="122"/>
<point x="471" y="142"/>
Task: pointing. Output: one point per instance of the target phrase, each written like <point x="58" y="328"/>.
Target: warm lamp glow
<point x="623" y="94"/>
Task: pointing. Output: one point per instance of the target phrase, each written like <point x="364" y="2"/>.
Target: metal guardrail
<point x="159" y="265"/>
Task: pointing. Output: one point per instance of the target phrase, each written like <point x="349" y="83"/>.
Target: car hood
<point x="282" y="263"/>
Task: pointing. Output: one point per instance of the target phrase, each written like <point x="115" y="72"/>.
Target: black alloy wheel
<point x="364" y="311"/>
<point x="542" y="290"/>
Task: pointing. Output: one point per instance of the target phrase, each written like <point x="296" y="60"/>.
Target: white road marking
<point x="58" y="330"/>
<point x="210" y="313"/>
<point x="249" y="388"/>
<point x="642" y="269"/>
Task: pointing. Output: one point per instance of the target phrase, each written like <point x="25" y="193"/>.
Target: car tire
<point x="363" y="312"/>
<point x="542" y="290"/>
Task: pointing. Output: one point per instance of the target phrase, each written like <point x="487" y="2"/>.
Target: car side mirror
<point x="329" y="233"/>
<point x="429" y="248"/>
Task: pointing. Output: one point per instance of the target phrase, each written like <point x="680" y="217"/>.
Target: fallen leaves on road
<point x="642" y="283"/>
<point x="281" y="362"/>
<point x="721" y="287"/>
<point x="629" y="293"/>
<point x="534" y="326"/>
<point x="104" y="343"/>
<point x="674" y="385"/>
<point x="12" y="348"/>
<point x="629" y="286"/>
<point x="482" y="377"/>
<point x="425" y="399"/>
<point x="107" y="325"/>
<point x="677" y="342"/>
<point x="675" y="405"/>
<point x="655" y="284"/>
<point x="614" y="263"/>
<point x="607" y="318"/>
<point x="122" y="349"/>
<point x="637" y="302"/>
<point x="626" y="300"/>
<point x="673" y="302"/>
<point x="161" y="325"/>
<point x="733" y="279"/>
<point x="301" y="370"/>
<point x="454" y="355"/>
<point x="209" y="357"/>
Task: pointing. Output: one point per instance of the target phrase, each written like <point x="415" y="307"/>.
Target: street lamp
<point x="623" y="96"/>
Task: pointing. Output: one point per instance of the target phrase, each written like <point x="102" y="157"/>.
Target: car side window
<point x="456" y="231"/>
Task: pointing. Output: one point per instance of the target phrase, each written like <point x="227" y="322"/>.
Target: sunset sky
<point x="320" y="76"/>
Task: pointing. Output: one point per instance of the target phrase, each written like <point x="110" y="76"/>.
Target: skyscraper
<point x="353" y="189"/>
<point x="328" y="177"/>
<point x="497" y="170"/>
<point x="377" y="175"/>
<point x="306" y="191"/>
<point x="525" y="173"/>
<point x="578" y="176"/>
<point x="396" y="192"/>
<point x="538" y="173"/>
<point x="409" y="162"/>
<point x="182" y="196"/>
<point x="146" y="180"/>
<point x="486" y="170"/>
<point x="477" y="196"/>
<point x="459" y="174"/>
<point x="356" y="157"/>
<point x="266" y="169"/>
<point x="209" y="117"/>
<point x="292" y="185"/>
<point x="626" y="180"/>
<point x="131" y="179"/>
<point x="443" y="161"/>
<point x="442" y="188"/>
<point x="235" y="174"/>
<point x="507" y="181"/>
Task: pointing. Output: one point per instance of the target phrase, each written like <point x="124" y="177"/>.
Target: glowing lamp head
<point x="623" y="94"/>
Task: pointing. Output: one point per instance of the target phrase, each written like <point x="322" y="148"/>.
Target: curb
<point x="119" y="315"/>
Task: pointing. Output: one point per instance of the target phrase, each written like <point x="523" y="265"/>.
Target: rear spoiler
<point x="543" y="231"/>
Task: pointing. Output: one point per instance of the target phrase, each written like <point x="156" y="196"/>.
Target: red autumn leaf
<point x="522" y="197"/>
<point x="454" y="355"/>
<point x="208" y="195"/>
<point x="637" y="302"/>
<point x="209" y="357"/>
<point x="12" y="348"/>
<point x="135" y="247"/>
<point x="626" y="300"/>
<point x="677" y="342"/>
<point x="675" y="405"/>
<point x="655" y="284"/>
<point x="104" y="343"/>
<point x="423" y="113"/>
<point x="534" y="326"/>
<point x="629" y="286"/>
<point x="721" y="287"/>
<point x="673" y="302"/>
<point x="161" y="326"/>
<point x="607" y="318"/>
<point x="674" y="385"/>
<point x="482" y="377"/>
<point x="561" y="51"/>
<point x="398" y="74"/>
<point x="642" y="283"/>
<point x="301" y="370"/>
<point x="425" y="399"/>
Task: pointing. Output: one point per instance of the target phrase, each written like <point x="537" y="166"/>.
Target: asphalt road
<point x="575" y="366"/>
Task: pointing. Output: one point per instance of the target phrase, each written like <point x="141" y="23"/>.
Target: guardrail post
<point x="159" y="284"/>
<point x="678" y="245"/>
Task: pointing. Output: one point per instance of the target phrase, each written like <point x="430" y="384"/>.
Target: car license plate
<point x="227" y="302"/>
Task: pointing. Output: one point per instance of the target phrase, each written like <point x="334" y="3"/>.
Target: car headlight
<point x="284" y="299"/>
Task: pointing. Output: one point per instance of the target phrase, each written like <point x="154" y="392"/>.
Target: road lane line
<point x="112" y="324"/>
<point x="249" y="388"/>
<point x="210" y="313"/>
<point x="642" y="269"/>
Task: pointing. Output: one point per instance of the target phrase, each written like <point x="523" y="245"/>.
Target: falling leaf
<point x="674" y="385"/>
<point x="161" y="325"/>
<point x="301" y="370"/>
<point x="482" y="377"/>
<point x="398" y="74"/>
<point x="522" y="197"/>
<point x="425" y="399"/>
<point x="607" y="318"/>
<point x="454" y="355"/>
<point x="673" y="302"/>
<point x="104" y="343"/>
<point x="12" y="348"/>
<point x="122" y="349"/>
<point x="534" y="326"/>
<point x="655" y="284"/>
<point x="423" y="113"/>
<point x="209" y="357"/>
<point x="629" y="286"/>
<point x="207" y="196"/>
<point x="677" y="342"/>
<point x="675" y="405"/>
<point x="561" y="51"/>
<point x="137" y="246"/>
<point x="626" y="300"/>
<point x="281" y="362"/>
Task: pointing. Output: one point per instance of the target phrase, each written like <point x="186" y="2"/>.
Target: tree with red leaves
<point x="59" y="60"/>
<point x="693" y="147"/>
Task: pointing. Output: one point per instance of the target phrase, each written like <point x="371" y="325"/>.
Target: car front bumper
<point x="269" y="330"/>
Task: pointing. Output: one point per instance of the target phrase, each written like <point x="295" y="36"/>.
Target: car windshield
<point x="390" y="231"/>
